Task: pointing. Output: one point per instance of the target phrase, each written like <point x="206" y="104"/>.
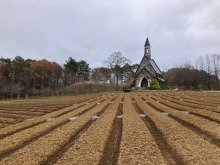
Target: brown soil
<point x="116" y="128"/>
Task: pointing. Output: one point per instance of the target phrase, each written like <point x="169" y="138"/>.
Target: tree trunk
<point x="18" y="96"/>
<point x="217" y="81"/>
<point x="11" y="95"/>
<point x="117" y="83"/>
<point x="26" y="95"/>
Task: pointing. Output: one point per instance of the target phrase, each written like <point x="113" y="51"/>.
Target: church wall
<point x="141" y="75"/>
<point x="146" y="64"/>
<point x="145" y="69"/>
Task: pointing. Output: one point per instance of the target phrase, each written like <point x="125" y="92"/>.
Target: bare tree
<point x="115" y="63"/>
<point x="207" y="64"/>
<point x="215" y="61"/>
<point x="200" y="63"/>
<point x="100" y="74"/>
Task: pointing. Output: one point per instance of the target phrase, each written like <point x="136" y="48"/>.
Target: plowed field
<point x="115" y="128"/>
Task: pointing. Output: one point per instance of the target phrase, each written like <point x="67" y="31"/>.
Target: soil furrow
<point x="137" y="145"/>
<point x="140" y="127"/>
<point x="105" y="107"/>
<point x="40" y="122"/>
<point x="202" y="133"/>
<point x="169" y="153"/>
<point x="186" y="143"/>
<point x="73" y="139"/>
<point x="197" y="98"/>
<point x="39" y="107"/>
<point x="29" y="141"/>
<point x="190" y="109"/>
<point x="180" y="109"/>
<point x="15" y="116"/>
<point x="20" y="129"/>
<point x="59" y="153"/>
<point x="205" y="117"/>
<point x="190" y="112"/>
<point x="199" y="102"/>
<point x="112" y="147"/>
<point x="43" y="133"/>
<point x="7" y="120"/>
<point x="191" y="105"/>
<point x="89" y="147"/>
<point x="21" y="112"/>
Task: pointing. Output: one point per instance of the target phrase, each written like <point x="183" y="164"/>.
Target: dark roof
<point x="147" y="43"/>
<point x="152" y="63"/>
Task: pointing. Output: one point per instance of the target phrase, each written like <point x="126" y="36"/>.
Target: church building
<point x="147" y="70"/>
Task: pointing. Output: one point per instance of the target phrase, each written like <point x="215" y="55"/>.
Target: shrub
<point x="154" y="85"/>
<point x="87" y="87"/>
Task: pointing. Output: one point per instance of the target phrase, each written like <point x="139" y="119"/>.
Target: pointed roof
<point x="147" y="43"/>
<point x="156" y="68"/>
<point x="152" y="63"/>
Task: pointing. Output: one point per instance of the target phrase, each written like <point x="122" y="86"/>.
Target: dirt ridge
<point x="112" y="146"/>
<point x="203" y="134"/>
<point x="72" y="140"/>
<point x="169" y="153"/>
<point x="40" y="122"/>
<point x="43" y="133"/>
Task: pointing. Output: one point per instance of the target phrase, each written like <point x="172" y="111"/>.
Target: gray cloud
<point x="179" y="30"/>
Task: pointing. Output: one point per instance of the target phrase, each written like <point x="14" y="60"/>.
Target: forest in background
<point x="23" y="78"/>
<point x="202" y="75"/>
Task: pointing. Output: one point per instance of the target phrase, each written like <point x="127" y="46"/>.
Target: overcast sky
<point x="178" y="30"/>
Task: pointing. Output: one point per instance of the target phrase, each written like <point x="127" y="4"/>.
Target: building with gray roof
<point x="147" y="70"/>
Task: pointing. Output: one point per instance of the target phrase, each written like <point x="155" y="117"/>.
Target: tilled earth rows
<point x="120" y="128"/>
<point x="12" y="112"/>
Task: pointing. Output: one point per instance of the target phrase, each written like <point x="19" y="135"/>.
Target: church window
<point x="147" y="50"/>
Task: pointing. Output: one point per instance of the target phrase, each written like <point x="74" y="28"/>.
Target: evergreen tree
<point x="154" y="84"/>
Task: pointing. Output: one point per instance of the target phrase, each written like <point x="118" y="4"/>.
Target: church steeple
<point x="147" y="43"/>
<point x="147" y="49"/>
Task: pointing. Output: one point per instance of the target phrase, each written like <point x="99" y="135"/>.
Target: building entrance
<point x="144" y="83"/>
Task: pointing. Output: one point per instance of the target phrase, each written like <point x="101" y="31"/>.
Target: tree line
<point x="21" y="77"/>
<point x="203" y="74"/>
